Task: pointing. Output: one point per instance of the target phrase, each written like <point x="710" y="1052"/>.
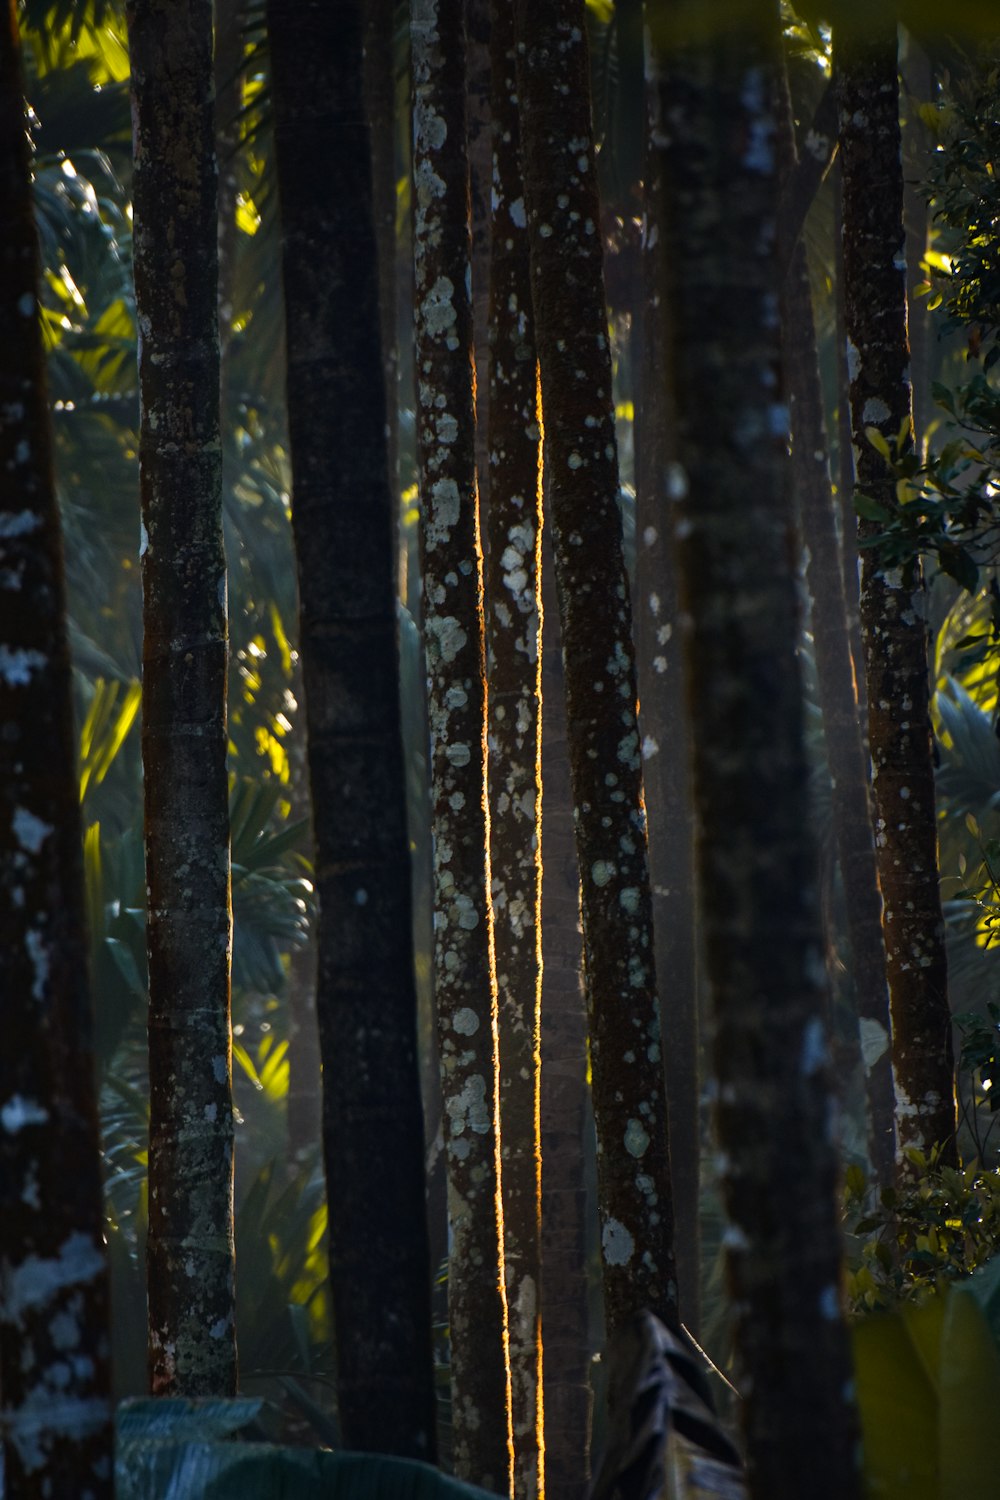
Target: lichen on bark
<point x="581" y="460"/>
<point x="190" y="1252"/>
<point x="56" y="1413"/>
<point x="893" y="608"/>
<point x="464" y="983"/>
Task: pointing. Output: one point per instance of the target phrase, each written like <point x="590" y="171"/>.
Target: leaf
<point x="897" y="1402"/>
<point x="869" y="509"/>
<point x="879" y="442"/>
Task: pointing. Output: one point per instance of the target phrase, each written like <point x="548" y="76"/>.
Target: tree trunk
<point x="893" y="614"/>
<point x="565" y="1097"/>
<point x="192" y="1337"/>
<point x="734" y="529"/>
<point x="663" y="727"/>
<point x="581" y="457"/>
<point x="345" y="535"/>
<point x="514" y="652"/>
<point x="454" y="640"/>
<point x="845" y="749"/>
<point x="380" y="111"/>
<point x="56" y="1416"/>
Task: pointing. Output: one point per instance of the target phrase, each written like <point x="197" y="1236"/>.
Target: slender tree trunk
<point x="55" y="1386"/>
<point x="565" y="1097"/>
<point x="841" y="726"/>
<point x="893" y="615"/>
<point x="581" y="456"/>
<point x="665" y="740"/>
<point x="513" y="631"/>
<point x="380" y="111"/>
<point x="734" y="530"/>
<point x="345" y="534"/>
<point x="456" y="672"/>
<point x="192" y="1337"/>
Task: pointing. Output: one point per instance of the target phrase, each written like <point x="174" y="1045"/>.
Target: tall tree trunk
<point x="565" y="1097"/>
<point x="664" y="731"/>
<point x="734" y="530"/>
<point x="513" y="631"/>
<point x="845" y="749"/>
<point x="893" y="613"/>
<point x="345" y="536"/>
<point x="55" y="1384"/>
<point x="192" y="1337"/>
<point x="581" y="457"/>
<point x="456" y="673"/>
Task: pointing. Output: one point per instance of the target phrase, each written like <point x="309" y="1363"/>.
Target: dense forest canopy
<point x="499" y="748"/>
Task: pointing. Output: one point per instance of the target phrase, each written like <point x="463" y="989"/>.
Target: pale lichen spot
<point x="19" y="1112"/>
<point x="628" y="899"/>
<point x="465" y="1021"/>
<point x="602" y="871"/>
<point x="617" y="1243"/>
<point x="636" y="1138"/>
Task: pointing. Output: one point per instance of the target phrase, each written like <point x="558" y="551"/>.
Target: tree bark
<point x="845" y="749"/>
<point x="581" y="457"/>
<point x="893" y="613"/>
<point x="55" y="1384"/>
<point x="344" y="520"/>
<point x="456" y="671"/>
<point x="513" y="621"/>
<point x="734" y="530"/>
<point x="565" y="1097"/>
<point x="192" y="1337"/>
<point x="666" y="750"/>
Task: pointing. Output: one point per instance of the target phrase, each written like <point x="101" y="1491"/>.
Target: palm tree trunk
<point x="57" y="1414"/>
<point x="513" y="621"/>
<point x="192" y="1337"/>
<point x="456" y="672"/>
<point x="734" y="528"/>
<point x="665" y="740"/>
<point x="893" y="616"/>
<point x="581" y="457"/>
<point x="845" y="749"/>
<point x="345" y="538"/>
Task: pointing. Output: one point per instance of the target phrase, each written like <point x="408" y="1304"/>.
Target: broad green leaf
<point x="970" y="1399"/>
<point x="869" y="509"/>
<point x="898" y="1404"/>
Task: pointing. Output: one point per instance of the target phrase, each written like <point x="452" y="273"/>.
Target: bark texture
<point x="456" y="684"/>
<point x="664" y="732"/>
<point x="192" y="1337"/>
<point x="893" y="614"/>
<point x="55" y="1409"/>
<point x="565" y="1097"/>
<point x="345" y="529"/>
<point x="610" y="823"/>
<point x="845" y="750"/>
<point x="734" y="530"/>
<point x="513" y="633"/>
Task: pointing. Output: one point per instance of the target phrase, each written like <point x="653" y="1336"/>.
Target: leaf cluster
<point x="910" y="1240"/>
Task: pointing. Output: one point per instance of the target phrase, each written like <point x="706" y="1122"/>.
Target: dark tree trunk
<point x="665" y="739"/>
<point x="456" y="672"/>
<point x="345" y="537"/>
<point x="513" y="627"/>
<point x="735" y="536"/>
<point x="565" y="1097"/>
<point x="845" y="749"/>
<point x="581" y="458"/>
<point x="380" y="112"/>
<point x="55" y="1419"/>
<point x="893" y="604"/>
<point x="192" y="1337"/>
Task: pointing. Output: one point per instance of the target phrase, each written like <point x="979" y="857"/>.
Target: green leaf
<point x="869" y="509"/>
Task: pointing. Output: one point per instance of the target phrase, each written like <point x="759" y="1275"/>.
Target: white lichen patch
<point x="19" y="1112"/>
<point x="30" y="832"/>
<point x="829" y="1303"/>
<point x="874" y="1041"/>
<point x="18" y="523"/>
<point x="17" y="666"/>
<point x="628" y="899"/>
<point x="617" y="1244"/>
<point x="36" y="1281"/>
<point x="814" y="1052"/>
<point x="875" y="412"/>
<point x="465" y="1021"/>
<point x="468" y="1109"/>
<point x="602" y="871"/>
<point x="636" y="1138"/>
